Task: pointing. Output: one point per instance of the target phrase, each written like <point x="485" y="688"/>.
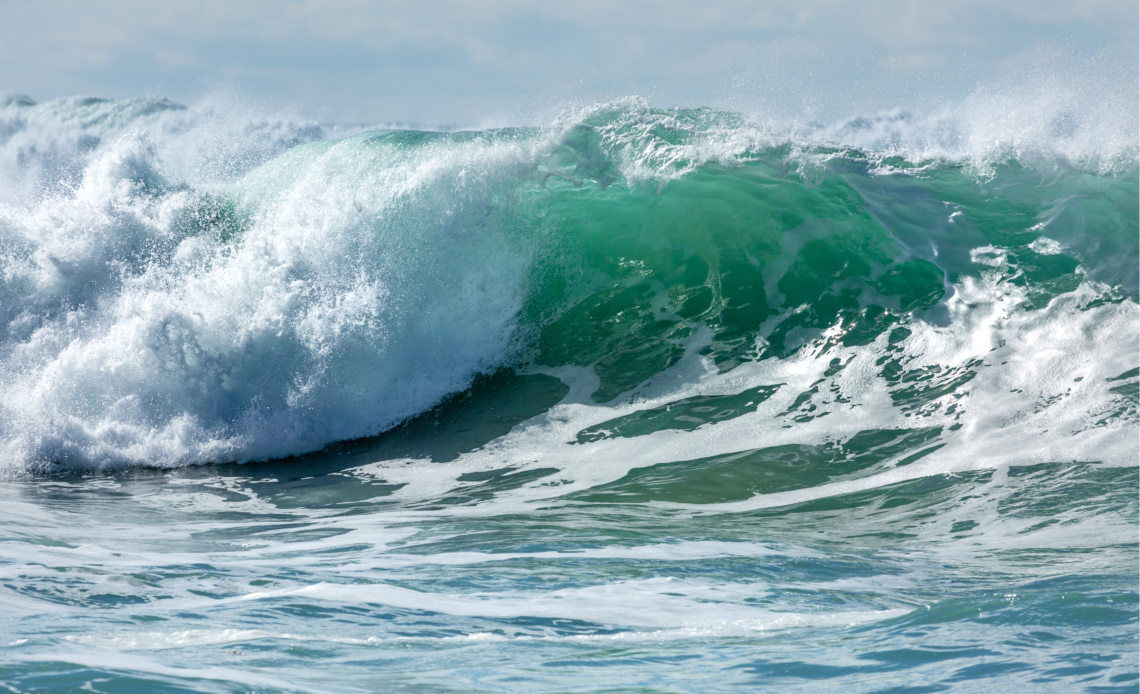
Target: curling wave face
<point x="187" y="286"/>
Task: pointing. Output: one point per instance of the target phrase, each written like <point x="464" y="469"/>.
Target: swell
<point x="306" y="289"/>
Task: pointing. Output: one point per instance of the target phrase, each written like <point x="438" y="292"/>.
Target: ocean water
<point x="643" y="400"/>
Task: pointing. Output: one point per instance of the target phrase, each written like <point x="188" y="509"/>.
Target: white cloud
<point x="432" y="60"/>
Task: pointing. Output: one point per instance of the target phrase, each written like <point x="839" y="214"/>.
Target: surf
<point x="674" y="390"/>
<point x="331" y="289"/>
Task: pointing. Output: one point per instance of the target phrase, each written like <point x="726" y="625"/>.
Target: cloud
<point x="435" y="61"/>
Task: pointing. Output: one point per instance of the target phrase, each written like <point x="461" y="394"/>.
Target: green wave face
<point x="757" y="257"/>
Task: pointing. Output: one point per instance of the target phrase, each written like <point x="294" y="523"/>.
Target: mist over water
<point x="653" y="399"/>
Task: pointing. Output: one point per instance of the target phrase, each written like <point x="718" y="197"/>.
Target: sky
<point x="499" y="62"/>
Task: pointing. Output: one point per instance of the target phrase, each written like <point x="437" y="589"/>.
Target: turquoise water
<point x="644" y="400"/>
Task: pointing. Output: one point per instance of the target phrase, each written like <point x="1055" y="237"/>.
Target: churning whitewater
<point x="641" y="387"/>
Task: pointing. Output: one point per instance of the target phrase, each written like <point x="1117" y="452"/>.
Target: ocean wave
<point x="187" y="285"/>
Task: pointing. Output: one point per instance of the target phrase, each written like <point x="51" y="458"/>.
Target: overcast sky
<point x="499" y="61"/>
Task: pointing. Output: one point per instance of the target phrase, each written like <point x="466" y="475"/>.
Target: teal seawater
<point x="646" y="400"/>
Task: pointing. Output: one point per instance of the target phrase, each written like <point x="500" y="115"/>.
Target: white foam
<point x="136" y="664"/>
<point x="158" y="640"/>
<point x="665" y="602"/>
<point x="1041" y="394"/>
<point x="1083" y="116"/>
<point x="1046" y="246"/>
<point x="147" y="641"/>
<point x="337" y="315"/>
